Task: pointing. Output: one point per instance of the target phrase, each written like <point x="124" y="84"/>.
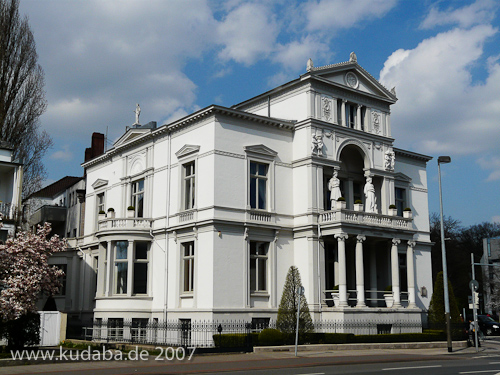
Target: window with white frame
<point x="100" y="203"/>
<point x="258" y="185"/>
<point x="137" y="200"/>
<point x="140" y="283"/>
<point x="400" y="195"/>
<point x="121" y="267"/>
<point x="188" y="267"/>
<point x="258" y="266"/>
<point x="188" y="175"/>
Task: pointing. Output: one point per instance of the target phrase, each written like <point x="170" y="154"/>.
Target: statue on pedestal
<point x="334" y="187"/>
<point x="370" y="198"/>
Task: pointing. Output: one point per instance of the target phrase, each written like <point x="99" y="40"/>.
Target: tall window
<point x="258" y="266"/>
<point x="140" y="268"/>
<point x="189" y="180"/>
<point x="100" y="202"/>
<point x="188" y="266"/>
<point x="400" y="200"/>
<point x="138" y="197"/>
<point x="258" y="185"/>
<point x="121" y="267"/>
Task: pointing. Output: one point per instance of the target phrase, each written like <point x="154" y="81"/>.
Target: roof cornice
<point x="188" y="120"/>
<point x="412" y="155"/>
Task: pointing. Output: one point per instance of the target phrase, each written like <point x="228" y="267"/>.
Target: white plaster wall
<point x="230" y="178"/>
<point x="423" y="273"/>
<point x="229" y="269"/>
<point x="229" y="138"/>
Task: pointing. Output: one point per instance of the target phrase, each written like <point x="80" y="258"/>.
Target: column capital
<point x="341" y="237"/>
<point x="360" y="238"/>
<point x="396" y="241"/>
<point x="360" y="105"/>
<point x="344" y="100"/>
<point x="412" y="243"/>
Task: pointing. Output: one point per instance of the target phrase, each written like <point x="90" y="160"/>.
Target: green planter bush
<point x="270" y="337"/>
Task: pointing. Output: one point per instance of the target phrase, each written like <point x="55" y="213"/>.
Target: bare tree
<point x="22" y="97"/>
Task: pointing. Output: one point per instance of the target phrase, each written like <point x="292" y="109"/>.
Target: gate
<point x="50" y="328"/>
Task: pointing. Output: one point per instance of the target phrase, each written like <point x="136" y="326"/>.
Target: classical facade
<point x="205" y="215"/>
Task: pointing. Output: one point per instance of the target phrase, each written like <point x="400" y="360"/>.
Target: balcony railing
<point x="260" y="216"/>
<point x="366" y="218"/>
<point x="8" y="211"/>
<point x="125" y="223"/>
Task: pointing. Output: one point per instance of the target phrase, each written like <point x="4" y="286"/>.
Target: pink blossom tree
<point x="25" y="273"/>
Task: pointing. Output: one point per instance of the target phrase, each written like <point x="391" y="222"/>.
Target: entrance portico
<point x="368" y="271"/>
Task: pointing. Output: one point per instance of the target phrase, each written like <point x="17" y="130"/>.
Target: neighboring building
<point x="62" y="204"/>
<point x="491" y="255"/>
<point x="59" y="205"/>
<point x="11" y="183"/>
<point x="225" y="200"/>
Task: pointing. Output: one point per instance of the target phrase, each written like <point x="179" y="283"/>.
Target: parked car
<point x="488" y="326"/>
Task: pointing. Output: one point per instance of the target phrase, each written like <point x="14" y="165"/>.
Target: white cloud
<point x="480" y="12"/>
<point x="63" y="155"/>
<point x="327" y="15"/>
<point x="440" y="108"/>
<point x="294" y="55"/>
<point x="492" y="163"/>
<point x="248" y="33"/>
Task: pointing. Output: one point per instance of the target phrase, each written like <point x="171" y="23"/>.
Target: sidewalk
<point x="309" y="355"/>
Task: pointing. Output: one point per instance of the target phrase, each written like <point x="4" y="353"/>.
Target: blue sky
<point x="174" y="57"/>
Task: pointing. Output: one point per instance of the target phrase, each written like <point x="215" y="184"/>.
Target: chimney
<point x="97" y="147"/>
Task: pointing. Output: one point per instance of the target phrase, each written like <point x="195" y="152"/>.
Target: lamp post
<point x="444" y="160"/>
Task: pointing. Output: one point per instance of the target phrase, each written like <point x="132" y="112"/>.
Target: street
<point x="375" y="361"/>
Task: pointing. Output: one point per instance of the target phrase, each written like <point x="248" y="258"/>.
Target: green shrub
<point x="22" y="332"/>
<point x="341" y="199"/>
<point x="337" y="338"/>
<point x="358" y="201"/>
<point x="235" y="340"/>
<point x="392" y="206"/>
<point x="270" y="337"/>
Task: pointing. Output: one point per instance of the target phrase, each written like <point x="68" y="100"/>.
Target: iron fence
<point x="209" y="334"/>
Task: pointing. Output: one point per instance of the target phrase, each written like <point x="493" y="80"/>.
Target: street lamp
<point x="444" y="160"/>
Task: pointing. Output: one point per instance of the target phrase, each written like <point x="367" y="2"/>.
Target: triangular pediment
<point x="130" y="135"/>
<point x="260" y="150"/>
<point x="187" y="150"/>
<point x="352" y="76"/>
<point x="99" y="183"/>
<point x="401" y="177"/>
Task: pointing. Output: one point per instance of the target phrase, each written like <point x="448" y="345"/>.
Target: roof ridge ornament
<point x="353" y="58"/>
<point x="310" y="65"/>
<point x="137" y="112"/>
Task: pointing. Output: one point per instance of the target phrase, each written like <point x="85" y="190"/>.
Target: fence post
<point x="219" y="329"/>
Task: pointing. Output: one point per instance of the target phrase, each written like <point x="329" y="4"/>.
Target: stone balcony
<point x="345" y="216"/>
<point x="121" y="224"/>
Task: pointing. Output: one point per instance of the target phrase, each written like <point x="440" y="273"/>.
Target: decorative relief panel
<point x="376" y="121"/>
<point x="137" y="163"/>
<point x="326" y="108"/>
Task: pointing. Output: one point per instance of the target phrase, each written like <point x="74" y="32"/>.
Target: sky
<point x="174" y="57"/>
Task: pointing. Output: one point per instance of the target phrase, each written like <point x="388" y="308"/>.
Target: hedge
<point x="235" y="340"/>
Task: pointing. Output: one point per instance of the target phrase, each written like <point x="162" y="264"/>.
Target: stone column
<point x="109" y="267"/>
<point x="360" y="278"/>
<point x="358" y="117"/>
<point x="396" y="290"/>
<point x="373" y="279"/>
<point x="343" y="119"/>
<point x="411" y="274"/>
<point x="342" y="268"/>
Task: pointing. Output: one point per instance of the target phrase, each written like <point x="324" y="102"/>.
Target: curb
<point x="324" y="347"/>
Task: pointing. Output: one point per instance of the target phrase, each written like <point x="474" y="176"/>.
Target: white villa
<point x="205" y="215"/>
